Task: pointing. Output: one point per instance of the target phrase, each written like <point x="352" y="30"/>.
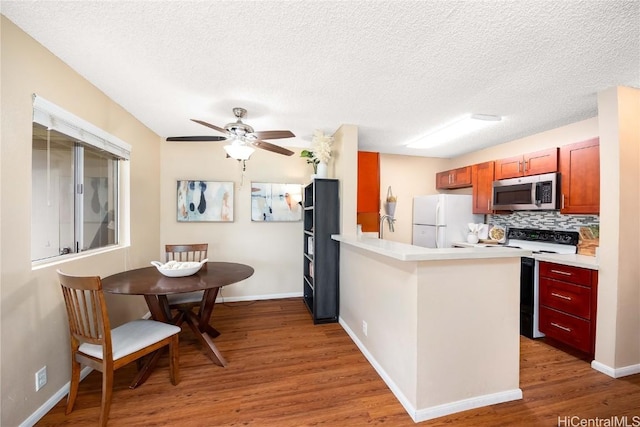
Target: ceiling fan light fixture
<point x="239" y="151"/>
<point x="455" y="129"/>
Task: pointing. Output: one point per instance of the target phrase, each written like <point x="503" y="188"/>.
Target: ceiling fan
<point x="241" y="136"/>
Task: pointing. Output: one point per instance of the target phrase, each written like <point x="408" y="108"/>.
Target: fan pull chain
<point x="48" y="166"/>
<point x="244" y="168"/>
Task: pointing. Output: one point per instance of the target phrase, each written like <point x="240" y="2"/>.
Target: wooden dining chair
<point x="191" y="252"/>
<point x="95" y="344"/>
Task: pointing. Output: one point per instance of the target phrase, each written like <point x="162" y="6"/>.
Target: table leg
<point x="158" y="307"/>
<point x="206" y="310"/>
<point x="205" y="340"/>
<point x="146" y="369"/>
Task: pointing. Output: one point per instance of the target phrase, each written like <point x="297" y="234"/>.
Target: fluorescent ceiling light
<point x="239" y="150"/>
<point x="455" y="129"/>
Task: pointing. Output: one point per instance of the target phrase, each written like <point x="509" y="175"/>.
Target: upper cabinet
<point x="580" y="169"/>
<point x="482" y="177"/>
<point x="368" y="208"/>
<point x="537" y="163"/>
<point x="455" y="178"/>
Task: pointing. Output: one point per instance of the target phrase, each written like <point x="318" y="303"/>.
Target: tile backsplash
<point x="544" y="220"/>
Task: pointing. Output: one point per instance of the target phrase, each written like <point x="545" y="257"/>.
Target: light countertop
<point x="406" y="252"/>
<point x="574" y="260"/>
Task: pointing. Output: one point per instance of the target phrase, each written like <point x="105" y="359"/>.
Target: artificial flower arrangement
<point x="321" y="152"/>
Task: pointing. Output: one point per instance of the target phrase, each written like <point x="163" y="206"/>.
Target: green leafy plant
<point x="311" y="159"/>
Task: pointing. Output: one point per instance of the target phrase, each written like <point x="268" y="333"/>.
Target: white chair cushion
<point x="185" y="297"/>
<point x="131" y="337"/>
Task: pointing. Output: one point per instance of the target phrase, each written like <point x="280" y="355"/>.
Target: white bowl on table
<point x="178" y="268"/>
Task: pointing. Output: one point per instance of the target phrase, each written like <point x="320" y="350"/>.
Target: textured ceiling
<point x="396" y="69"/>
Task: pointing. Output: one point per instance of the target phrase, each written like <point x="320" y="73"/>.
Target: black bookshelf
<point x="321" y="253"/>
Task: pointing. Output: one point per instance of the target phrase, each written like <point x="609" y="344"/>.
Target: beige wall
<point x="408" y="176"/>
<point x="342" y="167"/>
<point x="383" y="292"/>
<point x="273" y="249"/>
<point x="33" y="318"/>
<point x="618" y="323"/>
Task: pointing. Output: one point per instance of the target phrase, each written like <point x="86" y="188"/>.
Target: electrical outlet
<point x="41" y="378"/>
<point x="364" y="328"/>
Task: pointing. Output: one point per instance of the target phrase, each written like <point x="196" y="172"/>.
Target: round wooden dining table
<point x="155" y="287"/>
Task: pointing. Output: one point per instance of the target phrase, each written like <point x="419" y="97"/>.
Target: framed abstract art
<point x="204" y="201"/>
<point x="273" y="202"/>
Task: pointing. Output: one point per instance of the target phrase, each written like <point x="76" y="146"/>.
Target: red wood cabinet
<point x="482" y="176"/>
<point x="544" y="161"/>
<point x="580" y="169"/>
<point x="454" y="178"/>
<point x="368" y="207"/>
<point x="568" y="298"/>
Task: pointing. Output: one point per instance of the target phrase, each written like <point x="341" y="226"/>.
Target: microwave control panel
<point x="546" y="192"/>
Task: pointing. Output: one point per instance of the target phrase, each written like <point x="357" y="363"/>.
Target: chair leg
<point x="75" y="383"/>
<point x="107" y="389"/>
<point x="174" y="360"/>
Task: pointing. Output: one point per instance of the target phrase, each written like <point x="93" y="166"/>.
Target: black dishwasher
<point x="527" y="272"/>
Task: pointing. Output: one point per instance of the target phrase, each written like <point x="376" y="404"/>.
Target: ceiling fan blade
<point x="196" y="138"/>
<point x="274" y="134"/>
<point x="271" y="147"/>
<point x="209" y="125"/>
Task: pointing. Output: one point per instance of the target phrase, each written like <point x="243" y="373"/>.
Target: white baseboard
<point x="616" y="372"/>
<point x="411" y="410"/>
<point x="419" y="415"/>
<point x="52" y="401"/>
<point x="466" y="404"/>
<point x="222" y="298"/>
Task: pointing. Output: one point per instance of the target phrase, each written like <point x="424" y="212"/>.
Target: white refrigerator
<point x="441" y="219"/>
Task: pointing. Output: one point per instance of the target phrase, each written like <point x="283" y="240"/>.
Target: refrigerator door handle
<point x="437" y="224"/>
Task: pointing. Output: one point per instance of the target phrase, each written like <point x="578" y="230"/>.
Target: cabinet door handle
<point x="488" y="205"/>
<point x="525" y="166"/>
<point x="564" y="328"/>
<point x="562" y="207"/>
<point x="566" y="273"/>
<point x="561" y="296"/>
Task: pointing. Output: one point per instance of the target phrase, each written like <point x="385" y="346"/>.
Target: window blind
<point x="53" y="117"/>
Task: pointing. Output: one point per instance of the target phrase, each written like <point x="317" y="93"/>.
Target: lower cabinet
<point x="568" y="297"/>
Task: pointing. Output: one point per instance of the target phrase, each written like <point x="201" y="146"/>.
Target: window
<point x="75" y="184"/>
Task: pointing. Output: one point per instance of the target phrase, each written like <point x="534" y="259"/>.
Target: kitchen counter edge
<point x="406" y="252"/>
<point x="574" y="260"/>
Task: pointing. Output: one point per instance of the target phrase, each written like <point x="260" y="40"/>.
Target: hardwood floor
<point x="284" y="371"/>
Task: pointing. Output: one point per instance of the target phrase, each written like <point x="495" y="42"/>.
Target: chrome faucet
<point x="391" y="220"/>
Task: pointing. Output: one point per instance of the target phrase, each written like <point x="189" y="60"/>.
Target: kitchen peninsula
<point x="441" y="326"/>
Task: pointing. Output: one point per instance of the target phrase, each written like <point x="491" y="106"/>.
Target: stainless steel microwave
<point x="535" y="192"/>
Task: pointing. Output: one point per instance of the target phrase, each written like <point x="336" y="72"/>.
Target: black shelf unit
<point x="321" y="253"/>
